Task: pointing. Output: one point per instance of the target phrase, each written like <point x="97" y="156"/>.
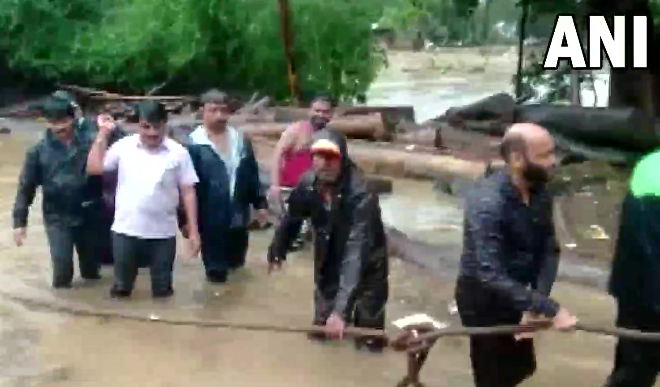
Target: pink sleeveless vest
<point x="295" y="162"/>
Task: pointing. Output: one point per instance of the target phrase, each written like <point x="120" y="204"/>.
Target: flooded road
<point x="53" y="349"/>
<point x="45" y="348"/>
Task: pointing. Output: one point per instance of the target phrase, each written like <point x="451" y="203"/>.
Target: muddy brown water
<point x="41" y="348"/>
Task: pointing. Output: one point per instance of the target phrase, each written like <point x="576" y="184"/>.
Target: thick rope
<point x="105" y="314"/>
<point x="423" y="340"/>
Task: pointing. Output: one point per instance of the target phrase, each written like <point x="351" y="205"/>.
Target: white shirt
<point x="148" y="186"/>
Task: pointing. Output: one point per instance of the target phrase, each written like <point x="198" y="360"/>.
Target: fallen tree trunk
<point x="497" y="107"/>
<point x="253" y="108"/>
<point x="396" y="163"/>
<point x="391" y="115"/>
<point x="364" y="127"/>
<point x="620" y="128"/>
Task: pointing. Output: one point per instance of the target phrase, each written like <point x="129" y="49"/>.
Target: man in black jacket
<point x="510" y="257"/>
<point x="635" y="278"/>
<point x="350" y="246"/>
<point x="101" y="216"/>
<point x="228" y="188"/>
<point x="57" y="164"/>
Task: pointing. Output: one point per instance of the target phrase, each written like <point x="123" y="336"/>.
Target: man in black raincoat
<point x="57" y="164"/>
<point x="350" y="246"/>
<point x="103" y="188"/>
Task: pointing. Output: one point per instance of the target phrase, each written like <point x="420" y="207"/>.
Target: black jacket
<point x="635" y="276"/>
<point x="216" y="207"/>
<point x="69" y="194"/>
<point x="510" y="249"/>
<point x="350" y="245"/>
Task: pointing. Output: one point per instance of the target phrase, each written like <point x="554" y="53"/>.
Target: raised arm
<point x="101" y="158"/>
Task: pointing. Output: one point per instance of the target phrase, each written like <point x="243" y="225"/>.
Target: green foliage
<point x="440" y="21"/>
<point x="464" y="8"/>
<point x="191" y="44"/>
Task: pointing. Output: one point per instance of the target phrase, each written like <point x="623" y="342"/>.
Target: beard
<point x="319" y="122"/>
<point x="536" y="174"/>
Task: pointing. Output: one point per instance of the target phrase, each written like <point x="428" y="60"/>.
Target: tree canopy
<point x="134" y="45"/>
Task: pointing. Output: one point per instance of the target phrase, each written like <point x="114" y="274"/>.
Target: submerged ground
<point x="44" y="348"/>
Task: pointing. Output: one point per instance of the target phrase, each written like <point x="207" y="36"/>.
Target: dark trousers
<point x="129" y="251"/>
<point x="223" y="249"/>
<point x="62" y="241"/>
<point x="636" y="363"/>
<point x="497" y="361"/>
<point x="106" y="256"/>
<point x="365" y="310"/>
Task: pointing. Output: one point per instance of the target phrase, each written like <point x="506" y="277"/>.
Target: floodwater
<point x="435" y="82"/>
<point x="56" y="349"/>
<point x="45" y="348"/>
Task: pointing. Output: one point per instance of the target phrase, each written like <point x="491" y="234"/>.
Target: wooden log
<point x="119" y="97"/>
<point x="290" y="114"/>
<point x="392" y="115"/>
<point x="375" y="184"/>
<point x="424" y="137"/>
<point x="396" y="163"/>
<point x="253" y="108"/>
<point x="270" y="130"/>
<point x="364" y="127"/>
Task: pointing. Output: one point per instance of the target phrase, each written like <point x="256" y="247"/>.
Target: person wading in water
<point x="57" y="164"/>
<point x="350" y="246"/>
<point x="155" y="175"/>
<point x="292" y="156"/>
<point x="510" y="257"/>
<point x="228" y="186"/>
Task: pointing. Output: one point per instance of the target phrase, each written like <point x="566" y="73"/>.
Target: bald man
<point x="510" y="257"/>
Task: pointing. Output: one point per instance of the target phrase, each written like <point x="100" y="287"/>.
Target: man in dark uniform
<point x="510" y="257"/>
<point x="79" y="118"/>
<point x="635" y="278"/>
<point x="57" y="164"/>
<point x="103" y="187"/>
<point x="350" y="246"/>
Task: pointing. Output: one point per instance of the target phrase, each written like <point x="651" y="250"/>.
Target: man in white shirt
<point x="153" y="171"/>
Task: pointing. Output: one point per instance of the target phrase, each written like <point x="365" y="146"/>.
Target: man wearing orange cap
<point x="350" y="246"/>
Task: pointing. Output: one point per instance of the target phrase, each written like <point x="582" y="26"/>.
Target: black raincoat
<point x="350" y="246"/>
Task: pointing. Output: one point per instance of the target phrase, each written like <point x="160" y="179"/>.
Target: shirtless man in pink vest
<point x="292" y="156"/>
